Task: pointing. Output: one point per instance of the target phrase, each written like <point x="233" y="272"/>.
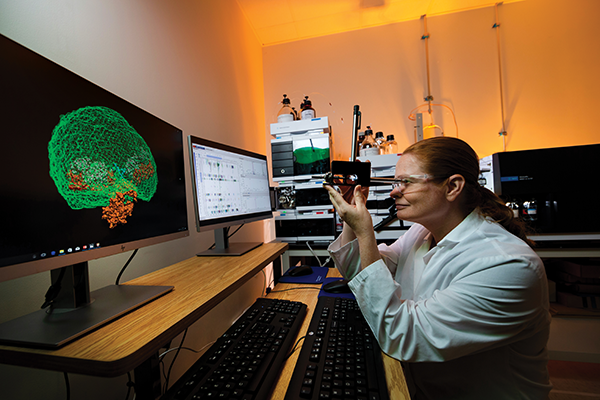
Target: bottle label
<point x="371" y="151"/>
<point x="285" y="118"/>
<point x="308" y="114"/>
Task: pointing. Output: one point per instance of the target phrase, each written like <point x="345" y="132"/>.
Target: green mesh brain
<point x="98" y="160"/>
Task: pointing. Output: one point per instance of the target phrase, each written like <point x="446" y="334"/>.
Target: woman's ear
<point x="454" y="186"/>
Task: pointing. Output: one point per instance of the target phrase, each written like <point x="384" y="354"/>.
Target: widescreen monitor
<point x="231" y="187"/>
<point x="85" y="174"/>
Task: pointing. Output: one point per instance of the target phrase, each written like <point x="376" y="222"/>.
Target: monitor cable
<point x="54" y="289"/>
<point x="228" y="235"/>
<point x="125" y="266"/>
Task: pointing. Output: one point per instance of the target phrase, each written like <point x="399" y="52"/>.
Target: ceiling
<point x="281" y="21"/>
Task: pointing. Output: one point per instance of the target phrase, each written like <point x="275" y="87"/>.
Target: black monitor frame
<point x="36" y="92"/>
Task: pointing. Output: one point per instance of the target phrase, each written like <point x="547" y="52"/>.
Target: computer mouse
<point x="337" y="287"/>
<point x="300" y="271"/>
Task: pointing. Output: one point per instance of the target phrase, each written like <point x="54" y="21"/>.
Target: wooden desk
<point x="200" y="284"/>
<point x="393" y="370"/>
<point x="123" y="345"/>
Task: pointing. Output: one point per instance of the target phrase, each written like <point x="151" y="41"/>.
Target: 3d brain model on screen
<point x="97" y="159"/>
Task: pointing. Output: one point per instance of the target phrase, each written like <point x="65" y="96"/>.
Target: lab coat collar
<point x="462" y="230"/>
<point x="456" y="235"/>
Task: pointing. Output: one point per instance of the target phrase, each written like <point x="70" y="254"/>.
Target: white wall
<point x="195" y="64"/>
<point x="550" y="52"/>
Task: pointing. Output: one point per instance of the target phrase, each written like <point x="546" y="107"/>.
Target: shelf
<point x="568" y="253"/>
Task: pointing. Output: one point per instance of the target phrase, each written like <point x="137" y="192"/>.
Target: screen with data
<point x="231" y="184"/>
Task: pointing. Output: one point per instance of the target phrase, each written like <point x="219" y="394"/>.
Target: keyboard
<point x="245" y="361"/>
<point x="340" y="358"/>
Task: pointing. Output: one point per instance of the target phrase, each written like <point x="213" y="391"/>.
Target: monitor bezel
<point x="23" y="268"/>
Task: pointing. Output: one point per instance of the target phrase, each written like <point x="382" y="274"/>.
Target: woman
<point x="461" y="296"/>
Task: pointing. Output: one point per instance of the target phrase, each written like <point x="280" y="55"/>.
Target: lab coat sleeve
<point x="347" y="257"/>
<point x="484" y="307"/>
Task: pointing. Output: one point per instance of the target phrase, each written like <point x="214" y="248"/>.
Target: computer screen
<point x="231" y="187"/>
<point x="85" y="173"/>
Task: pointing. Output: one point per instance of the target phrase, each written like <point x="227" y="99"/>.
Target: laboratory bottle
<point x="390" y="146"/>
<point x="369" y="146"/>
<point x="361" y="138"/>
<point x="307" y="111"/>
<point x="530" y="210"/>
<point x="380" y="140"/>
<point x="286" y="114"/>
<point x="514" y="206"/>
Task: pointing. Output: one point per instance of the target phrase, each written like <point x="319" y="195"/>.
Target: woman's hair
<point x="443" y="157"/>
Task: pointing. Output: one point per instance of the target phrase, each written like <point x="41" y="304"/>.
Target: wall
<point x="550" y="53"/>
<point x="195" y="64"/>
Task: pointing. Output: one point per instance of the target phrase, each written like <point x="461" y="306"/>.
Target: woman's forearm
<point x="369" y="253"/>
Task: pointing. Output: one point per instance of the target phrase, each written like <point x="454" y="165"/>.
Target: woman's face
<point x="417" y="199"/>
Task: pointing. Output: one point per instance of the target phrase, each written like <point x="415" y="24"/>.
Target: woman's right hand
<point x="351" y="206"/>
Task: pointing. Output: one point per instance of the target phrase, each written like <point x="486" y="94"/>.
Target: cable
<point x="184" y="348"/>
<point x="413" y="117"/>
<point x="497" y="27"/>
<point x="295" y="347"/>
<point x="266" y="288"/>
<point x="228" y="235"/>
<point x="130" y="385"/>
<point x="314" y="254"/>
<point x="125" y="266"/>
<point x="173" y="362"/>
<point x="429" y="97"/>
<point x="68" y="385"/>
<point x="54" y="290"/>
<point x="297" y="288"/>
<point x="426" y="38"/>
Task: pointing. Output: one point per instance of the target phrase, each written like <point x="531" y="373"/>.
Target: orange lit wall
<point x="550" y="52"/>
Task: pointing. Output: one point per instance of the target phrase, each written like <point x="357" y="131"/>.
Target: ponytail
<point x="492" y="206"/>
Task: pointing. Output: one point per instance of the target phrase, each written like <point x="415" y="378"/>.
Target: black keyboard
<point x="245" y="361"/>
<point x="340" y="358"/>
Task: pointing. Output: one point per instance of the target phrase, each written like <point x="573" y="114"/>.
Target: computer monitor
<point x="231" y="187"/>
<point x="84" y="174"/>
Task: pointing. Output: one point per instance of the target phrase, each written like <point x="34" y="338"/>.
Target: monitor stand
<point x="224" y="248"/>
<point x="56" y="326"/>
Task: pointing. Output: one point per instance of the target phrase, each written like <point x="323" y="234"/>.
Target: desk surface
<point x="308" y="294"/>
<point x="199" y="283"/>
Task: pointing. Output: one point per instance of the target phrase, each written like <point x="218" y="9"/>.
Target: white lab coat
<point x="470" y="316"/>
